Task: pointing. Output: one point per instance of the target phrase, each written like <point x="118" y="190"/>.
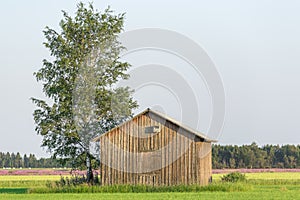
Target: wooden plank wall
<point x="192" y="167"/>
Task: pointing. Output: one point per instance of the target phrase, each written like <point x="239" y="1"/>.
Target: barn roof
<point x="179" y="124"/>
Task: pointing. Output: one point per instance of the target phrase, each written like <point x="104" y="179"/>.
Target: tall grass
<point x="223" y="187"/>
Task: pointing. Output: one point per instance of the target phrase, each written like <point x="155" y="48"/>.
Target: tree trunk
<point x="89" y="173"/>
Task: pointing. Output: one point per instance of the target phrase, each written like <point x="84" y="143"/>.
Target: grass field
<point x="267" y="175"/>
<point x="262" y="193"/>
<point x="270" y="185"/>
<point x="26" y="181"/>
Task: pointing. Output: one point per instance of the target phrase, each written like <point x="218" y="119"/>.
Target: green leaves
<point x="89" y="39"/>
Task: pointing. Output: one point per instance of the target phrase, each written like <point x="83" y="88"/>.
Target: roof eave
<point x="201" y="135"/>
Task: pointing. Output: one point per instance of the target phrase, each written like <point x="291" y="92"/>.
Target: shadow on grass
<point x="13" y="190"/>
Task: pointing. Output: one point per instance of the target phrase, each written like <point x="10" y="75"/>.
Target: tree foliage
<point x="268" y="156"/>
<point x="15" y="160"/>
<point x="87" y="41"/>
<point x="253" y="156"/>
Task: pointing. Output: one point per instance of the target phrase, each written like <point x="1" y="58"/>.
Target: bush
<point x="233" y="177"/>
<point x="72" y="181"/>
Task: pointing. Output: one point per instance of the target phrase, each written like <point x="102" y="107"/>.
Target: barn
<point x="153" y="149"/>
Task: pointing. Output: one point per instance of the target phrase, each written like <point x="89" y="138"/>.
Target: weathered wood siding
<point x="191" y="167"/>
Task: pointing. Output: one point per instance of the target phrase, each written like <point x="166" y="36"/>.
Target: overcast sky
<point x="255" y="46"/>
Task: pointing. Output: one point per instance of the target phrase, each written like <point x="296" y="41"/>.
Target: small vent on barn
<point x="152" y="129"/>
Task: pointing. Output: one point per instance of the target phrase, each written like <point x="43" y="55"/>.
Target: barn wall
<point x="191" y="167"/>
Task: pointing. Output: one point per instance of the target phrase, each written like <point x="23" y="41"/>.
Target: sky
<point x="254" y="45"/>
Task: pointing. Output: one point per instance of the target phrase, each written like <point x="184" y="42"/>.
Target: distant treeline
<point x="229" y="156"/>
<point x="15" y="160"/>
<point x="253" y="156"/>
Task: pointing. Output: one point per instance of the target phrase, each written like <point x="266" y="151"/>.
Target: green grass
<point x="271" y="193"/>
<point x="274" y="185"/>
<point x="268" y="178"/>
<point x="266" y="175"/>
<point x="224" y="187"/>
<point x="12" y="181"/>
<point x="14" y="190"/>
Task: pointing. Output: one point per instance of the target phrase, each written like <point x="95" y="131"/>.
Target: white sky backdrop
<point x="254" y="44"/>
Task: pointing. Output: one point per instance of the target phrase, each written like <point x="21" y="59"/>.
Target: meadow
<point x="263" y="185"/>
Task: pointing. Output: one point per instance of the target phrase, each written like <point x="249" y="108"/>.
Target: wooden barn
<point x="154" y="149"/>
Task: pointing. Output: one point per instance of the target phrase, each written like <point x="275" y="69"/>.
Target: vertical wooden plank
<point x="107" y="157"/>
<point x="104" y="159"/>
<point x="186" y="157"/>
<point x="149" y="135"/>
<point x="181" y="159"/>
<point x="178" y="181"/>
<point x="197" y="163"/>
<point x="174" y="157"/>
<point x="144" y="121"/>
<point x="101" y="163"/>
<point x="186" y="160"/>
<point x="182" y="151"/>
<point x="191" y="163"/>
<point x="205" y="162"/>
<point x="167" y="155"/>
<point x="152" y="136"/>
<point x="139" y="145"/>
<point x="210" y="161"/>
<point x="172" y="135"/>
<point x="109" y="162"/>
<point x="190" y="177"/>
<point x="158" y="148"/>
<point x="131" y="153"/>
<point x="163" y="160"/>
<point x="141" y="134"/>
<point x="113" y="157"/>
<point x="135" y="150"/>
<point x="201" y="163"/>
<point x="163" y="154"/>
<point x="167" y="132"/>
<point x="171" y="152"/>
<point x="116" y="155"/>
<point x="143" y="142"/>
<point x="128" y="153"/>
<point x="152" y="141"/>
<point x="119" y="156"/>
<point x="125" y="153"/>
<point x="194" y="163"/>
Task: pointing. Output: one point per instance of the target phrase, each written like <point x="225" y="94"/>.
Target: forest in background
<point x="16" y="160"/>
<point x="223" y="157"/>
<point x="254" y="157"/>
